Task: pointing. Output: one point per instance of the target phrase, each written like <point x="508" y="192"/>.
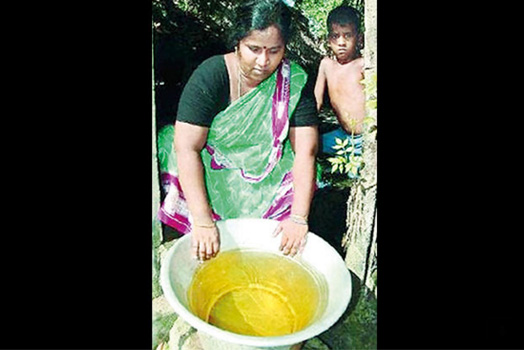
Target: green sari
<point x="247" y="157"/>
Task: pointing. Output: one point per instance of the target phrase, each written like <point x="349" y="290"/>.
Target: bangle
<point x="297" y="219"/>
<point x="205" y="225"/>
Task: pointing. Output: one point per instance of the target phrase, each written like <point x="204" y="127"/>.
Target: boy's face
<point x="343" y="40"/>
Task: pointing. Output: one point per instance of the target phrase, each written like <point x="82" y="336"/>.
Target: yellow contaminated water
<point x="257" y="293"/>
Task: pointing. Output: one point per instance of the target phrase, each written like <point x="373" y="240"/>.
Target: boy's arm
<point x="320" y="85"/>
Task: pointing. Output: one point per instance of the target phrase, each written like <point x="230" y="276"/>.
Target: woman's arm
<point x="304" y="141"/>
<point x="189" y="142"/>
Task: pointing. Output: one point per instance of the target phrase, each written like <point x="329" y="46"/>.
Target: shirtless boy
<point x="343" y="74"/>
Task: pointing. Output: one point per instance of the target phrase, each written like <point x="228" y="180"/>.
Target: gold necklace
<point x="239" y="82"/>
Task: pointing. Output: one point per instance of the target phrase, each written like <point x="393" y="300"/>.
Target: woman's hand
<point x="293" y="236"/>
<point x="189" y="142"/>
<point x="304" y="141"/>
<point x="205" y="242"/>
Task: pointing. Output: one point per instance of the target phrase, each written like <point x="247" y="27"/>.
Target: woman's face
<point x="260" y="53"/>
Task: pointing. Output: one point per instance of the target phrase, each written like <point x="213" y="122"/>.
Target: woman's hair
<point x="344" y="15"/>
<point x="259" y="15"/>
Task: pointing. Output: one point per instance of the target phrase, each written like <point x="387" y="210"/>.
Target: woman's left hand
<point x="293" y="236"/>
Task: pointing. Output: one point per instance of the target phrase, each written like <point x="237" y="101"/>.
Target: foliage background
<point x="186" y="32"/>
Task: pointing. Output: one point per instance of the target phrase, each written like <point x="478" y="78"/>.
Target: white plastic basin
<point x="178" y="267"/>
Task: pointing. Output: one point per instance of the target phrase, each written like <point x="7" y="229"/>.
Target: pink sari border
<point x="179" y="222"/>
<point x="280" y="209"/>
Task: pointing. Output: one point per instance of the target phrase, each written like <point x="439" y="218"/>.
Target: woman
<point x="245" y="137"/>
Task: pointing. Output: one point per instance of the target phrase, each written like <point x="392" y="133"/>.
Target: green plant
<point x="345" y="161"/>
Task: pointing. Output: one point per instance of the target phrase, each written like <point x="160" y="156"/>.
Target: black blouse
<point x="207" y="93"/>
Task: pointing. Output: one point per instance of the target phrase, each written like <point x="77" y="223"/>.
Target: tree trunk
<point x="360" y="240"/>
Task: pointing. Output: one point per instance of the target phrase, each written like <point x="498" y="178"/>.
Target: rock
<point x="183" y="337"/>
<point x="161" y="307"/>
<point x="162" y="324"/>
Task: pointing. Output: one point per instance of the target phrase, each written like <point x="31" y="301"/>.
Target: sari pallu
<point x="247" y="157"/>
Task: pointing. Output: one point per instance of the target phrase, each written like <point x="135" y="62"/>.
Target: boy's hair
<point x="259" y="15"/>
<point x="344" y="15"/>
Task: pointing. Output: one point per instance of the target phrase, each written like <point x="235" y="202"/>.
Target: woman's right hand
<point x="189" y="142"/>
<point x="205" y="242"/>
